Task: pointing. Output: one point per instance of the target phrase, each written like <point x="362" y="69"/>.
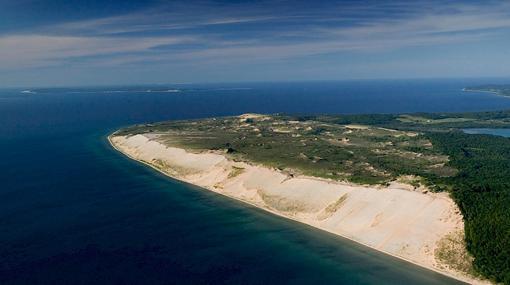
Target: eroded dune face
<point x="399" y="221"/>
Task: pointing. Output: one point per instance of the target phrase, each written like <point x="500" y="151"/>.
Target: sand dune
<point x="395" y="219"/>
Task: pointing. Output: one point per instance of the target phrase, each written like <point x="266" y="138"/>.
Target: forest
<point x="482" y="191"/>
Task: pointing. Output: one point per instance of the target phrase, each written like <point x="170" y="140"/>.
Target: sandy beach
<point x="412" y="224"/>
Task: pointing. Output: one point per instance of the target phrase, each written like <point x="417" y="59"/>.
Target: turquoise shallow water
<point x="74" y="211"/>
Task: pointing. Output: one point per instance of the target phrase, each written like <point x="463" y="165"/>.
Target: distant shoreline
<point x="484" y="91"/>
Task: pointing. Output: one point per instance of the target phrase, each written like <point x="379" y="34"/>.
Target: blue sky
<point x="96" y="42"/>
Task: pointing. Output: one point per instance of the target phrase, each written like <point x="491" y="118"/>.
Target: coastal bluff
<point x="413" y="224"/>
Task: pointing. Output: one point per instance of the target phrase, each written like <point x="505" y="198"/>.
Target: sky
<point x="111" y="42"/>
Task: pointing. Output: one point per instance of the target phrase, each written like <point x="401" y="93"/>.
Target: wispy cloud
<point x="39" y="50"/>
<point x="209" y="32"/>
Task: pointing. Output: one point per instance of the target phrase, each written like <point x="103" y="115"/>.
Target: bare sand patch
<point x="357" y="127"/>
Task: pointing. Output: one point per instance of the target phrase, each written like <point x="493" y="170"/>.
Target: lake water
<point x="74" y="211"/>
<point x="487" y="131"/>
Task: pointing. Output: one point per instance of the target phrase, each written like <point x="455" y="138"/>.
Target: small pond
<point x="487" y="131"/>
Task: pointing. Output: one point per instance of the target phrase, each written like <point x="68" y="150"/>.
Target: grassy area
<point x="431" y="121"/>
<point x="356" y="153"/>
<point x="452" y="251"/>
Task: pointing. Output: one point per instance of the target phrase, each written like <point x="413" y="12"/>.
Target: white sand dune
<point x="396" y="220"/>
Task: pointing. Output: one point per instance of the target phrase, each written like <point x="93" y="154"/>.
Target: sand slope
<point x="397" y="220"/>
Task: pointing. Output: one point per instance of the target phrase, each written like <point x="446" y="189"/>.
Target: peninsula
<point x="414" y="185"/>
<point x="502" y="90"/>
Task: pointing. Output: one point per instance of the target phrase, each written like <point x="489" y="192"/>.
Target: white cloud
<point x="39" y="50"/>
<point x="311" y="34"/>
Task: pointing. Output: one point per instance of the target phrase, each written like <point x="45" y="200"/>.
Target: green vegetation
<point x="431" y="121"/>
<point x="235" y="172"/>
<point x="356" y="153"/>
<point x="331" y="209"/>
<point x="452" y="251"/>
<point x="376" y="149"/>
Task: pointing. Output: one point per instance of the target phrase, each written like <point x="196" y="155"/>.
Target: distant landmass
<point x="499" y="89"/>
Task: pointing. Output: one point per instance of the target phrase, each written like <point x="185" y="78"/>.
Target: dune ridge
<point x="397" y="219"/>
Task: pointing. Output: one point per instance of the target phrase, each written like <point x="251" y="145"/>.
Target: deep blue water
<point x="74" y="211"/>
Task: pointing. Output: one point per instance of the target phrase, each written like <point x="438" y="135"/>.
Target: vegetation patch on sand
<point x="451" y="251"/>
<point x="332" y="208"/>
<point x="235" y="171"/>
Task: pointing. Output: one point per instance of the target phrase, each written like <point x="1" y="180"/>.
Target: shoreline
<point x="450" y="273"/>
<point x="484" y="91"/>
